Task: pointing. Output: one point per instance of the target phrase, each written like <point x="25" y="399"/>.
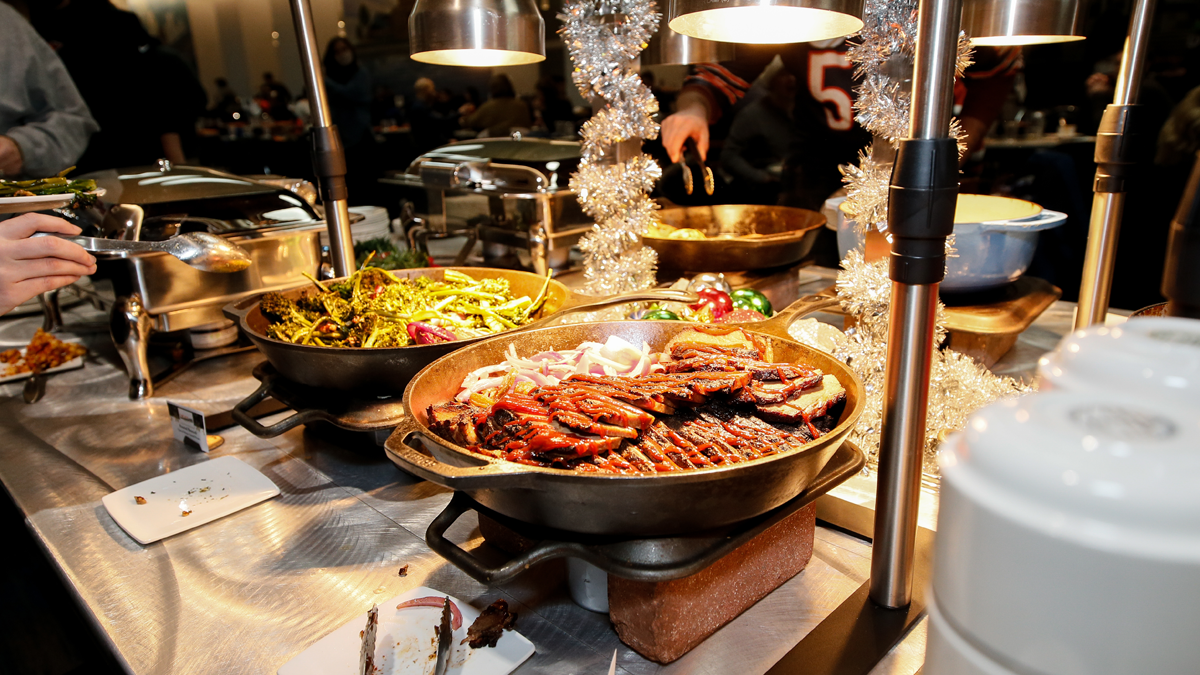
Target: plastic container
<point x="1069" y="534"/>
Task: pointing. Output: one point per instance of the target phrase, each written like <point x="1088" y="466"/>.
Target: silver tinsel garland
<point x="603" y="38"/>
<point x="958" y="385"/>
<point x="882" y="55"/>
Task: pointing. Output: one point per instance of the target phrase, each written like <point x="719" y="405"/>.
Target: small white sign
<point x="188" y="425"/>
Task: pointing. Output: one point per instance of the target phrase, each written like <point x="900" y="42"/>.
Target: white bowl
<point x="1145" y="358"/>
<point x="1069" y="534"/>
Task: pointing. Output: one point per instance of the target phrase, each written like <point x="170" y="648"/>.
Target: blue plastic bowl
<point x="989" y="255"/>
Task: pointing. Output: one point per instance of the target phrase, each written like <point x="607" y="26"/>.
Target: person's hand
<point x="466" y="109"/>
<point x="11" y="161"/>
<point x="691" y="121"/>
<point x="30" y="266"/>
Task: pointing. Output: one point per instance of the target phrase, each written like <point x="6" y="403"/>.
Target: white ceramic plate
<point x="210" y="490"/>
<point x="40" y="202"/>
<point x="405" y="644"/>
<point x="74" y="363"/>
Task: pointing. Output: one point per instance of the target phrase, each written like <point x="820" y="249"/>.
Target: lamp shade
<point x="765" y="21"/>
<point x="1021" y="22"/>
<point x="670" y="48"/>
<point x="476" y="32"/>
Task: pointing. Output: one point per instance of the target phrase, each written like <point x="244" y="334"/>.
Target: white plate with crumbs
<point x="174" y="502"/>
<point x="406" y="644"/>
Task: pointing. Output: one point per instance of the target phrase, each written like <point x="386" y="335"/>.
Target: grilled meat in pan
<point x="716" y="405"/>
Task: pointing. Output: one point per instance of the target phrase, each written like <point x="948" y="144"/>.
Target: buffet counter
<point x="246" y="593"/>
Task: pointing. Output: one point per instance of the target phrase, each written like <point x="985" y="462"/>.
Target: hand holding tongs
<point x="710" y="183"/>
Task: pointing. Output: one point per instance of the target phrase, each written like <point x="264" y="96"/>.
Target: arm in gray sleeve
<point x="40" y="108"/>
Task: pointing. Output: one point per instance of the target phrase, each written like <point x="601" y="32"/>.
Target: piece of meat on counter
<point x="490" y="626"/>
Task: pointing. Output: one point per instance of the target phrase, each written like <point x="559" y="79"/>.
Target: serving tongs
<point x="710" y="182"/>
<point x="204" y="251"/>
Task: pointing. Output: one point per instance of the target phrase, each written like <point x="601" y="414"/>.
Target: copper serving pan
<point x="739" y="237"/>
<point x="671" y="503"/>
<point x="385" y="371"/>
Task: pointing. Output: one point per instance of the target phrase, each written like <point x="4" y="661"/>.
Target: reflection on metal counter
<point x="511" y="194"/>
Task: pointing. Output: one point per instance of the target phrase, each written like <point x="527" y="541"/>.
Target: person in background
<point x="826" y="133"/>
<point x="348" y="87"/>
<point x="432" y="118"/>
<point x="44" y="123"/>
<point x="227" y="106"/>
<point x="501" y="113"/>
<point x="553" y="109"/>
<point x="759" y="141"/>
<point x="384" y="108"/>
<point x="33" y="265"/>
<point x="145" y="97"/>
<point x="274" y="99"/>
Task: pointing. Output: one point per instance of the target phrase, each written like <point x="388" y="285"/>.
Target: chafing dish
<point x="156" y="292"/>
<point x="510" y="192"/>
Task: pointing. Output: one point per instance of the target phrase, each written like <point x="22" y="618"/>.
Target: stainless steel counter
<point x="248" y="592"/>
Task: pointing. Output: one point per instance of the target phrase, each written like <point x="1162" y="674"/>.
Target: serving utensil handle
<point x="648" y="295"/>
<point x="98" y="245"/>
<point x="778" y="325"/>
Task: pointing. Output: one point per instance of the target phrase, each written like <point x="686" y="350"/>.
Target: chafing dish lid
<point x="552" y="158"/>
<point x="189" y="198"/>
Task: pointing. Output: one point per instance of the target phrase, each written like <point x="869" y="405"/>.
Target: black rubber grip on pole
<point x="329" y="162"/>
<point x="1120" y="146"/>
<point x="1181" y="277"/>
<point x="921" y="203"/>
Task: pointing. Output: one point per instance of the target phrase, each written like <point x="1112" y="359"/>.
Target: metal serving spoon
<point x="201" y="250"/>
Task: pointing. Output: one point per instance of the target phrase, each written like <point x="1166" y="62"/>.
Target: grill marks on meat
<point x="717" y="405"/>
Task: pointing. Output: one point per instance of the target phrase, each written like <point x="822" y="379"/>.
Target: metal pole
<point x="1115" y="155"/>
<point x="920" y="216"/>
<point x="329" y="158"/>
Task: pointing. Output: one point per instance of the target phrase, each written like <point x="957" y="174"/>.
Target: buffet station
<point x="627" y="436"/>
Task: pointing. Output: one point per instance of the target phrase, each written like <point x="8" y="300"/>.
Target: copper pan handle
<point x="488" y="475"/>
<point x="778" y="325"/>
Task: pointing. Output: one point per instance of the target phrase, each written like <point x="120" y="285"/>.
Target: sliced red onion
<point x="425" y="333"/>
<point x="437" y="601"/>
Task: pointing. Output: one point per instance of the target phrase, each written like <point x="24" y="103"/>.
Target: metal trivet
<point x="645" y="559"/>
<point x="339" y="408"/>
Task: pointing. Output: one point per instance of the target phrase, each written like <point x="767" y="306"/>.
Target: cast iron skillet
<point x="663" y="504"/>
<point x="385" y="371"/>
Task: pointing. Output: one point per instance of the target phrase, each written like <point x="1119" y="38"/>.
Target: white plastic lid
<point x="1109" y="469"/>
<point x="1146" y="357"/>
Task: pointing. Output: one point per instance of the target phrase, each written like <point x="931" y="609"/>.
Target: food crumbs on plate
<point x="404" y="571"/>
<point x="139" y="500"/>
